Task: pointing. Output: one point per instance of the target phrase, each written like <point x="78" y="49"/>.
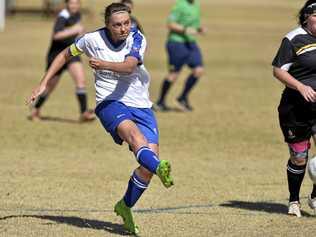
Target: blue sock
<point x="148" y="159"/>
<point x="135" y="189"/>
<point x="190" y="83"/>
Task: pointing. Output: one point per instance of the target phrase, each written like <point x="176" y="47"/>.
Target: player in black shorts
<point x="295" y="66"/>
<point x="66" y="29"/>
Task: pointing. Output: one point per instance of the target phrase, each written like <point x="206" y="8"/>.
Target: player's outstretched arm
<point x="57" y="64"/>
<point x="74" y="30"/>
<point x="128" y="66"/>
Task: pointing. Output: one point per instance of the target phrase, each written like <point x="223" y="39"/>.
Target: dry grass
<point x="60" y="178"/>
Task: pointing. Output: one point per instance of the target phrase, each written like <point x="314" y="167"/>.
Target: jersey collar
<point x="115" y="46"/>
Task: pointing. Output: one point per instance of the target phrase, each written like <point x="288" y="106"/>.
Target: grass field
<point x="62" y="178"/>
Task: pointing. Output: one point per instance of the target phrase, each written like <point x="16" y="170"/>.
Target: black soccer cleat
<point x="161" y="107"/>
<point x="184" y="104"/>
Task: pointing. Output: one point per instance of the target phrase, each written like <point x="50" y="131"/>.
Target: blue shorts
<point x="180" y="54"/>
<point x="112" y="113"/>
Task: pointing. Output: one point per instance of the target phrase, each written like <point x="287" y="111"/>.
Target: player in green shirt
<point x="184" y="25"/>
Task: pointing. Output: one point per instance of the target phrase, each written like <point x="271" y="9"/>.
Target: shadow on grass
<point x="59" y="120"/>
<point x="176" y="210"/>
<point x="77" y="222"/>
<point x="268" y="207"/>
<point x="170" y="110"/>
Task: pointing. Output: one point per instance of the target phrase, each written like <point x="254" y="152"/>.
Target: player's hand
<point x="82" y="30"/>
<point x="36" y="93"/>
<point x="78" y="29"/>
<point x="307" y="92"/>
<point x="95" y="63"/>
<point x="202" y="30"/>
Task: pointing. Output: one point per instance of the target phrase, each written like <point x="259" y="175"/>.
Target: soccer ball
<point x="311" y="168"/>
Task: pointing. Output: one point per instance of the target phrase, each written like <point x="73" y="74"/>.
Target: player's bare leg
<point x="147" y="156"/>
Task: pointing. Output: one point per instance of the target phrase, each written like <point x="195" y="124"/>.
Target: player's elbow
<point x="57" y="36"/>
<point x="173" y="28"/>
<point x="130" y="65"/>
<point x="169" y="26"/>
<point x="60" y="35"/>
<point x="276" y="72"/>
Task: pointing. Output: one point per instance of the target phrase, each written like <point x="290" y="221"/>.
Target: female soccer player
<point x="295" y="66"/>
<point x="67" y="28"/>
<point x="117" y="55"/>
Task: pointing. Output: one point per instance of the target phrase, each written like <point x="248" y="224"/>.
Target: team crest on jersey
<point x="109" y="75"/>
<point x="98" y="49"/>
<point x="136" y="48"/>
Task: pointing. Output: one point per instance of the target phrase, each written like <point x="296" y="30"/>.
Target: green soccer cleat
<point x="163" y="172"/>
<point x="126" y="213"/>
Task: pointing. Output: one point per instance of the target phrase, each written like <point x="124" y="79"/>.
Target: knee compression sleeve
<point x="299" y="150"/>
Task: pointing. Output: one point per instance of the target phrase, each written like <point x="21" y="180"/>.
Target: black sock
<point x="295" y="176"/>
<point x="40" y="101"/>
<point x="313" y="195"/>
<point x="164" y="90"/>
<point x="189" y="84"/>
<point x="82" y="98"/>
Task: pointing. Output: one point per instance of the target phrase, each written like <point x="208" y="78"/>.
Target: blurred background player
<point x="295" y="66"/>
<point x="135" y="22"/>
<point x="183" y="24"/>
<point x="123" y="104"/>
<point x="66" y="29"/>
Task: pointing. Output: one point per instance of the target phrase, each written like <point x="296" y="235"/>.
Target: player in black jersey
<point x="135" y="22"/>
<point x="66" y="29"/>
<point x="295" y="66"/>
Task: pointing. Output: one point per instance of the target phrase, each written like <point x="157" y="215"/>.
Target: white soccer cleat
<point x="312" y="203"/>
<point x="295" y="209"/>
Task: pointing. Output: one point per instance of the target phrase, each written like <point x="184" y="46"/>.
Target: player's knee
<point x="137" y="139"/>
<point x="299" y="162"/>
<point x="145" y="174"/>
<point x="172" y="77"/>
<point x="198" y="72"/>
<point x="299" y="152"/>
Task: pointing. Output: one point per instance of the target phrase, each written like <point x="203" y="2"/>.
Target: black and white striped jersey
<point x="297" y="55"/>
<point x="64" y="20"/>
